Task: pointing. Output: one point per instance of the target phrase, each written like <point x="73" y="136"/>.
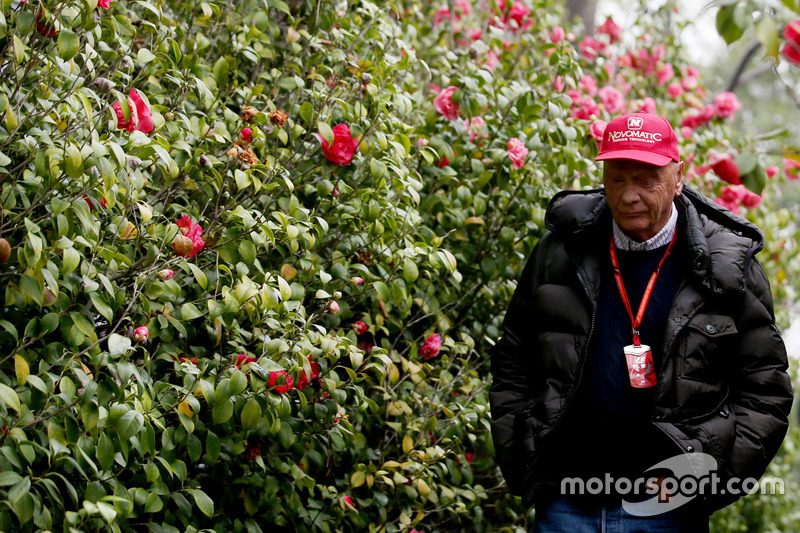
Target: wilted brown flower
<point x="278" y="118"/>
<point x="244" y="153"/>
<point x="249" y="113"/>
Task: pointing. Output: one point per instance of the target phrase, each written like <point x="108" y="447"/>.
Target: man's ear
<point x="679" y="177"/>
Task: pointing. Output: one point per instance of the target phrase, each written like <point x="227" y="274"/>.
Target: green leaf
<point x="222" y="411"/>
<point x="9" y="397"/>
<point x="768" y="34"/>
<point x="199" y="275"/>
<point x="306" y="112"/>
<point x="251" y="414"/>
<point x="410" y="271"/>
<point x="238" y="382"/>
<point x="9" y="327"/>
<point x="326" y="132"/>
<point x="727" y="26"/>
<point x="118" y="345"/>
<point x="377" y="168"/>
<point x="189" y="312"/>
<point x="9" y="478"/>
<point x="129" y="424"/>
<point x="67" y="44"/>
<point x="755" y="180"/>
<point x="153" y="504"/>
<point x="145" y="56"/>
<point x="102" y="307"/>
<point x="70" y="261"/>
<point x="204" y="503"/>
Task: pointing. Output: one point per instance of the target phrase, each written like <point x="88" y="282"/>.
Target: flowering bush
<point x="253" y="400"/>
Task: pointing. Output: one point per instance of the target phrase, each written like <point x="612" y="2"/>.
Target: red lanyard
<point x="636" y="322"/>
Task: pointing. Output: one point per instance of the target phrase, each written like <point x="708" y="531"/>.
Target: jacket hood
<point x="720" y="244"/>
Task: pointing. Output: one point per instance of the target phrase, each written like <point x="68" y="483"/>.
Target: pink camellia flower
<point x="725" y="167"/>
<point x="597" y="129"/>
<point x="733" y="208"/>
<point x="105" y="4"/>
<point x="733" y="194"/>
<point x="585" y="108"/>
<point x="791" y="49"/>
<point x="791" y="168"/>
<point x="772" y="171"/>
<point x="440" y="15"/>
<point x="190" y="240"/>
<point x="492" y="60"/>
<point x="166" y="274"/>
<point x="140" y="117"/>
<point x="141" y="334"/>
<point x="275" y="377"/>
<point x="558" y="85"/>
<point x="348" y="500"/>
<point x="430" y="348"/>
<point x="304" y="381"/>
<point x="610" y="28"/>
<point x="247" y="134"/>
<point x="518" y="13"/>
<point x="751" y="200"/>
<point x="517" y="152"/>
<point x="333" y="307"/>
<point x="674" y="90"/>
<point x="648" y="106"/>
<point x="359" y="327"/>
<point x="589" y="84"/>
<point x="557" y="34"/>
<point x="243" y="359"/>
<point x="612" y="99"/>
<point x="444" y="103"/>
<point x="343" y="148"/>
<point x="591" y="48"/>
<point x="355" y="280"/>
<point x="665" y="73"/>
<point x="474" y="127"/>
<point x="726" y="104"/>
<point x="689" y="83"/>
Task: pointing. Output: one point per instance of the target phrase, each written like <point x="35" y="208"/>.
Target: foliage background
<point x="100" y="433"/>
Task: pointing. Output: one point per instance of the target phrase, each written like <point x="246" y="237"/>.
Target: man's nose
<point x="630" y="194"/>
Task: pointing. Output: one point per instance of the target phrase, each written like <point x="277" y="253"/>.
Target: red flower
<point x="443" y="162"/>
<point x="791" y="50"/>
<point x="247" y="134"/>
<point x="105" y="4"/>
<point x="348" y="500"/>
<point x="193" y="360"/>
<point x="141" y="334"/>
<point x="242" y="359"/>
<point x="430" y="348"/>
<point x="365" y="346"/>
<point x="273" y="381"/>
<point x="304" y="380"/>
<point x="725" y="167"/>
<point x="43" y="29"/>
<point x="444" y="103"/>
<point x="611" y="29"/>
<point x="344" y="146"/>
<point x="359" y="327"/>
<point x="251" y="453"/>
<point x="140" y="117"/>
<point x="726" y="104"/>
<point x="192" y="233"/>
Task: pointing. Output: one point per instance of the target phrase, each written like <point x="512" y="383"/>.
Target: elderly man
<point x="639" y="351"/>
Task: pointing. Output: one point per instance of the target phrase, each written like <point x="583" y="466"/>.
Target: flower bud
<point x="103" y="84"/>
<point x="166" y="274"/>
<point x="134" y="162"/>
<point x="355" y="280"/>
<point x="183" y="245"/>
<point x="337" y="295"/>
<point x="247" y="134"/>
<point x="333" y="307"/>
<point x="5" y="250"/>
<point x="366" y="78"/>
<point x="141" y="334"/>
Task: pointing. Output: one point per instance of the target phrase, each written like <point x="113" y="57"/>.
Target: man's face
<point x="640" y="194"/>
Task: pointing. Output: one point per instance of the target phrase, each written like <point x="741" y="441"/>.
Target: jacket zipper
<point x="575" y="389"/>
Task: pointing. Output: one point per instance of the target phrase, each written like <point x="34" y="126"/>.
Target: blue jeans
<point x="566" y="514"/>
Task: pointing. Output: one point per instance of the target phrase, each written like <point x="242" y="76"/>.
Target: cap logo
<point x="635" y="123"/>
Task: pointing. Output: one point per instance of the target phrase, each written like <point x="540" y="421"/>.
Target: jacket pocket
<point x="706" y="343"/>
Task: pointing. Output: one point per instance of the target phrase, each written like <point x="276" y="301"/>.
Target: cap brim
<point x="637" y="155"/>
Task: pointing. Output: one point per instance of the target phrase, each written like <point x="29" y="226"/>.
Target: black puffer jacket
<point x="722" y="384"/>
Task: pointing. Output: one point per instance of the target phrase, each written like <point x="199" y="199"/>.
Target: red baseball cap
<point x="641" y="137"/>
